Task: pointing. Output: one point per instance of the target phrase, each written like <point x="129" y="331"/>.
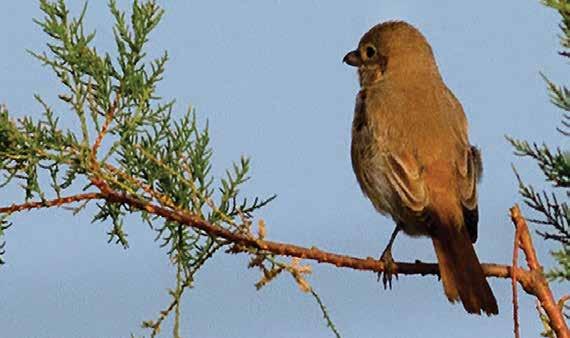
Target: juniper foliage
<point x="550" y="205"/>
<point x="146" y="153"/>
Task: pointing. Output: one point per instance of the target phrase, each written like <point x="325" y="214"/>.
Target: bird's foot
<point x="389" y="268"/>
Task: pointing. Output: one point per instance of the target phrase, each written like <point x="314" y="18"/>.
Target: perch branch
<point x="524" y="277"/>
<point x="532" y="281"/>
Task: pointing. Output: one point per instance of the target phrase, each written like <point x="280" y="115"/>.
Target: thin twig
<point x="563" y="300"/>
<point x="108" y="119"/>
<point x="514" y="284"/>
<point x="325" y="312"/>
<point x="50" y="203"/>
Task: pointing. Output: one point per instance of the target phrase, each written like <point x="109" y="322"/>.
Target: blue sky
<point x="268" y="77"/>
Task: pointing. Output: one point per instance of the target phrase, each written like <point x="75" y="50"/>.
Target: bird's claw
<point x="389" y="269"/>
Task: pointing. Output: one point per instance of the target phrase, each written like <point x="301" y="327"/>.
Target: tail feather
<point x="461" y="273"/>
<point x="446" y="274"/>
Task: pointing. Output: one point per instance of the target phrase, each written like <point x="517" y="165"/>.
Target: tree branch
<point x="50" y="203"/>
<point x="524" y="277"/>
<point x="532" y="281"/>
<point x="539" y="286"/>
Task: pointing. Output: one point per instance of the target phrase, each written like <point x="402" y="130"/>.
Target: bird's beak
<point x="353" y="59"/>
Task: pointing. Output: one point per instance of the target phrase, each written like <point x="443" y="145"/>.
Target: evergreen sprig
<point x="125" y="136"/>
<point x="551" y="206"/>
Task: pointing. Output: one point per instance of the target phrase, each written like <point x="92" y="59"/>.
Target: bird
<point x="412" y="158"/>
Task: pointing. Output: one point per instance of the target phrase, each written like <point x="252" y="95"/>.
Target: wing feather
<point x="405" y="177"/>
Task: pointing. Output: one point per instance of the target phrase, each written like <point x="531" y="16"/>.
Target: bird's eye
<point x="370" y="51"/>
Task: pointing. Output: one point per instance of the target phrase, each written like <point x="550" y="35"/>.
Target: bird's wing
<point x="405" y="176"/>
<point x="468" y="164"/>
<point x="469" y="171"/>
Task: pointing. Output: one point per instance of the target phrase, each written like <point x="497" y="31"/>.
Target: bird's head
<point x="388" y="48"/>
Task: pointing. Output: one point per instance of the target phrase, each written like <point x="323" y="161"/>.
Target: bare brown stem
<point x="516" y="246"/>
<point x="50" y="203"/>
<point x="539" y="286"/>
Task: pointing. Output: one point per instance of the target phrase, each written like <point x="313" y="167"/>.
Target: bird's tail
<point x="460" y="270"/>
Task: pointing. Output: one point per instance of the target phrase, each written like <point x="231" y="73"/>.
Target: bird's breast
<point x="367" y="160"/>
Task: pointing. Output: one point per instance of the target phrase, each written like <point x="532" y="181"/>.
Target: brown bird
<point x="412" y="156"/>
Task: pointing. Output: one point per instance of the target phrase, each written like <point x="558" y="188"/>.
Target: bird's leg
<point x="388" y="261"/>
